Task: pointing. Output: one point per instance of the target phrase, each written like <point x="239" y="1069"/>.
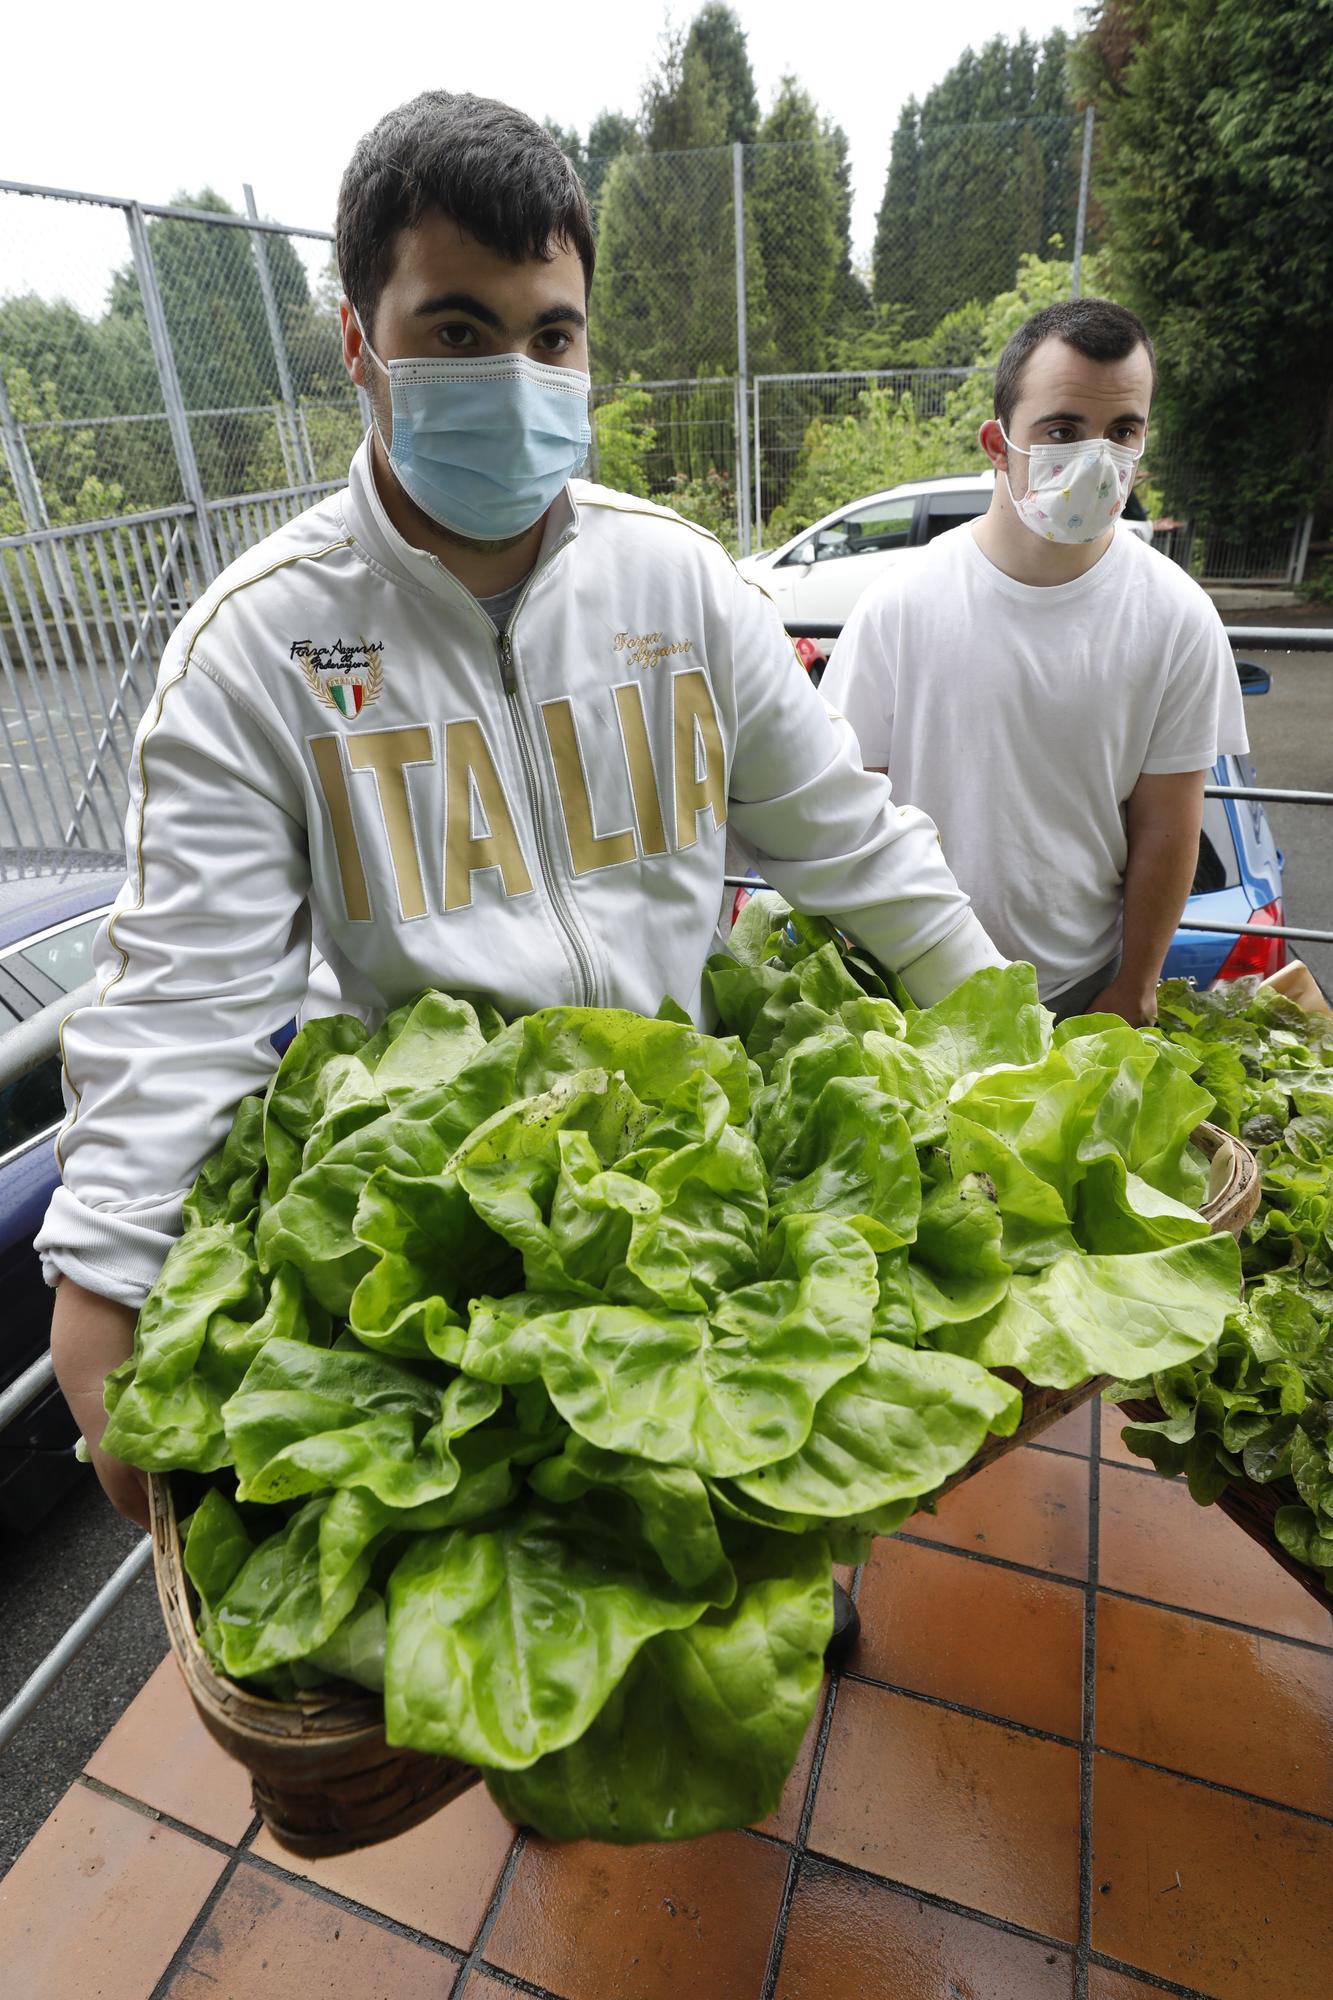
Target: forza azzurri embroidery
<point x="346" y="677"/>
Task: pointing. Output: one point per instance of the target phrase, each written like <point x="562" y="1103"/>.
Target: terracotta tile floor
<point x="1085" y="1752"/>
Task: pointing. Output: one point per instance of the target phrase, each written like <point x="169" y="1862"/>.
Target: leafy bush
<point x="709" y="501"/>
<point x="625" y="438"/>
<point x="883" y="444"/>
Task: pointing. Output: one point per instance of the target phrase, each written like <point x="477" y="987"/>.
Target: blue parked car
<point x="51" y="905"/>
<point x="1238" y="879"/>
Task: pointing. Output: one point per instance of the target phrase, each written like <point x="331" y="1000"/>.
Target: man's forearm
<point x="90" y="1336"/>
<point x="1159" y="874"/>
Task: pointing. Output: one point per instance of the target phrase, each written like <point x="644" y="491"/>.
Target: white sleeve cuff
<point x="114" y="1252"/>
<point x="966" y="949"/>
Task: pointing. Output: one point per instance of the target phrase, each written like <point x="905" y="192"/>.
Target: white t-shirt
<point x="1020" y="718"/>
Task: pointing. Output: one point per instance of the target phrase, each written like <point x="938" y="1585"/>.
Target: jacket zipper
<point x="504" y="653"/>
<point x="509" y="681"/>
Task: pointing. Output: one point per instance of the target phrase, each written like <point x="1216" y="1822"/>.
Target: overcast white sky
<point x="148" y="98"/>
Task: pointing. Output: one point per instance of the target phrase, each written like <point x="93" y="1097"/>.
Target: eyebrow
<point x="477" y="309"/>
<point x="1077" y="417"/>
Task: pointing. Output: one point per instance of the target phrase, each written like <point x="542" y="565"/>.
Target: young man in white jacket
<point x="463" y="724"/>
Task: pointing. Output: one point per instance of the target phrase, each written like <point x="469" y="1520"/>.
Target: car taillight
<point x="1257" y="954"/>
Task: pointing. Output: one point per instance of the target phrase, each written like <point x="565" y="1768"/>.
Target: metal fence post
<point x="304" y="465"/>
<point x="758" y="463"/>
<point x="742" y="354"/>
<point x="173" y="402"/>
<point x="1080" y="227"/>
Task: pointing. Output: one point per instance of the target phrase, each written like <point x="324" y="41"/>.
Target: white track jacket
<point x="342" y="751"/>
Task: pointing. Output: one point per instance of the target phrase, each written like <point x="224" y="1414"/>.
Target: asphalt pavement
<point x="46" y="1578"/>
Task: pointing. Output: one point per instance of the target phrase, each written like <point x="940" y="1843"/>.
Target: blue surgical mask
<point x="484" y="445"/>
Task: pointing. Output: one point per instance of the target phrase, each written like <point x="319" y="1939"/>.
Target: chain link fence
<point x="171" y="390"/>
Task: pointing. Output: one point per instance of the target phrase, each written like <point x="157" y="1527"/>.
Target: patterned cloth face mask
<point x="484" y="445"/>
<point x="1075" y="491"/>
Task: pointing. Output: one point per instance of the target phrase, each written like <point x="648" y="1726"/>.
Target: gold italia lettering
<point x="469" y="766"/>
<point x="388" y="752"/>
<point x="587" y="848"/>
<point x="333" y="784"/>
<point x="701" y="779"/>
<point x="642" y="775"/>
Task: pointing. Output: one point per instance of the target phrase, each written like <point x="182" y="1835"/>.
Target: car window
<point x="950" y="510"/>
<point x="66" y="956"/>
<point x="30" y="1106"/>
<point x="885" y="524"/>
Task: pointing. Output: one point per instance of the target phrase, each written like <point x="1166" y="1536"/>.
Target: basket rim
<point x="1237" y="1200"/>
<point x="342" y="1717"/>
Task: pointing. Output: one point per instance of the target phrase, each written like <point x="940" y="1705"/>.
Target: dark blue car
<point x="1238" y="879"/>
<point x="51" y="905"/>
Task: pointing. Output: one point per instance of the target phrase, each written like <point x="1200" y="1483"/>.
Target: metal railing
<point x="34" y="1041"/>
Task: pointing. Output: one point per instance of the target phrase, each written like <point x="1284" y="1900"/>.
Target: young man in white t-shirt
<point x="1048" y="688"/>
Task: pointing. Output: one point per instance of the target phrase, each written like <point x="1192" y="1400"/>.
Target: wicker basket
<point x="323" y="1776"/>
<point x="1233" y="1197"/>
<point x="321" y="1772"/>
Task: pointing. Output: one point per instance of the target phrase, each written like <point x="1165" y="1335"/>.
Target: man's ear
<point x="353" y="359"/>
<point x="991" y="439"/>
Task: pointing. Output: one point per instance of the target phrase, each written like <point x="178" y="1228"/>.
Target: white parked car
<point x="819" y="574"/>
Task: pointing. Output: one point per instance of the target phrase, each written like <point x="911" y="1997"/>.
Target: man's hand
<point x="1129" y="998"/>
<point x="90" y="1336"/>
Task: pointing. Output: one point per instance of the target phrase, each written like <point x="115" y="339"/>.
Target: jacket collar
<point x="370" y="525"/>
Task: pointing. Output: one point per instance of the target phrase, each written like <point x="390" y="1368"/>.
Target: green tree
<point x="718" y="39"/>
<point x="1216" y="175"/>
<point x="81" y="367"/>
<point x="895" y="225"/>
<point x="214" y="310"/>
<point x="63" y="458"/>
<point x="883" y="440"/>
<point x="664" y="304"/>
<point x="851" y="294"/>
<point x="983" y="171"/>
<point x="795" y="202"/>
<point x="571" y="145"/>
<point x="610" y="134"/>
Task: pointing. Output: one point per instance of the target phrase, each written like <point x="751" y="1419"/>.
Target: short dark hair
<point x="1095" y="328"/>
<point x="497" y="173"/>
